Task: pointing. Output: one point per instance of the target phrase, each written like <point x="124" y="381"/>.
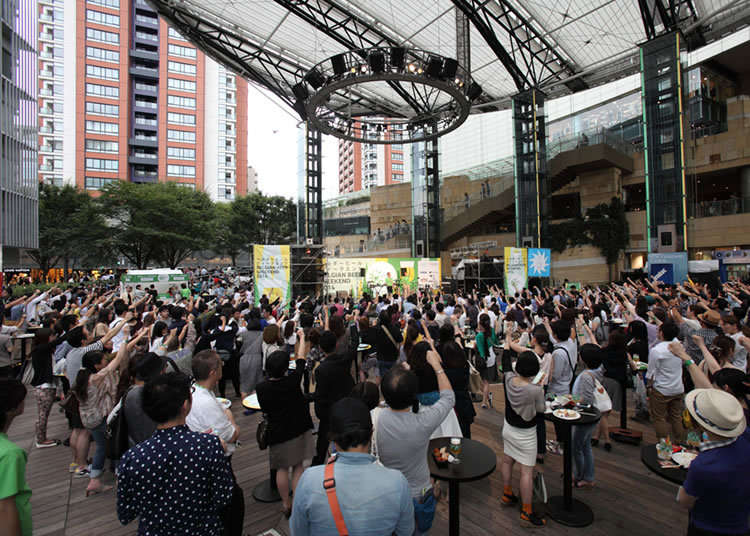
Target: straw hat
<point x="710" y="317"/>
<point x="717" y="411"/>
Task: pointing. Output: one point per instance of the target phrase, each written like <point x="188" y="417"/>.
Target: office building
<point x="18" y="186"/>
<point x="252" y="180"/>
<point x="122" y="96"/>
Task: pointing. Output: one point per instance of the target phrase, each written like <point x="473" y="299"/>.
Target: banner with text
<point x="515" y="270"/>
<point x="271" y="272"/>
<point x="374" y="275"/>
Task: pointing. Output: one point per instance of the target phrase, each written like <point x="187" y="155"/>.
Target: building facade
<point x="252" y="180"/>
<point x="122" y="96"/>
<point x="18" y="128"/>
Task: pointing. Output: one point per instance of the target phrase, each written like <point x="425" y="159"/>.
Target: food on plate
<point x="568" y="414"/>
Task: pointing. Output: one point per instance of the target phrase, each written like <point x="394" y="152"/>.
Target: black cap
<point x="148" y="366"/>
<point x="349" y="415"/>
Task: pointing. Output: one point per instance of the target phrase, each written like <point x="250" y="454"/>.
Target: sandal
<point x="508" y="500"/>
<point x="95" y="491"/>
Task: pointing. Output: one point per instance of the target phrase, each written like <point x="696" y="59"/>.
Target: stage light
<point x="412" y="67"/>
<point x="316" y="78"/>
<point x="420" y="70"/>
<point x="397" y="57"/>
<point x="434" y="66"/>
<point x="459" y="82"/>
<point x="300" y="91"/>
<point x="363" y="68"/>
<point x="338" y="63"/>
<point x="475" y="90"/>
<point x="377" y="62"/>
<point x="450" y="67"/>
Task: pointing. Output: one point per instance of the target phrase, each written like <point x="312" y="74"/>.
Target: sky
<point x="272" y="147"/>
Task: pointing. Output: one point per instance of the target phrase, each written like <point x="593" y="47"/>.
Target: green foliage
<point x="604" y="227"/>
<point x="264" y="219"/>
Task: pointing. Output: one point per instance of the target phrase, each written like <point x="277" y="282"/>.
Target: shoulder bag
<point x="390" y="337"/>
<point x="329" y="484"/>
<point x="261" y="433"/>
<point x="572" y="368"/>
<point x="602" y="402"/>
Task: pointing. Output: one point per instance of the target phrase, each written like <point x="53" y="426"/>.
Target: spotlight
<point x="459" y="82"/>
<point x="300" y="91"/>
<point x="377" y="62"/>
<point x="420" y="70"/>
<point x="363" y="68"/>
<point x="450" y="67"/>
<point x="353" y="70"/>
<point x="412" y="67"/>
<point x="338" y="63"/>
<point x="434" y="66"/>
<point x="315" y="78"/>
<point x="397" y="57"/>
<point x="475" y="90"/>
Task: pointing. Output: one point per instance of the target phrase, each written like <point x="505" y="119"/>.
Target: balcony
<point x="148" y="22"/>
<point x="46" y="18"/>
<point x="46" y="93"/>
<point x="46" y="130"/>
<point x="47" y="73"/>
<point x="144" y="72"/>
<point x="46" y="55"/>
<point x="146" y="55"/>
<point x="144" y="141"/>
<point x="146" y="36"/>
<point x="725" y="207"/>
<point x="143" y="159"/>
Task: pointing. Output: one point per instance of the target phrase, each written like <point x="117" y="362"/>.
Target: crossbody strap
<point x="387" y="332"/>
<point x="329" y="484"/>
<point x="572" y="368"/>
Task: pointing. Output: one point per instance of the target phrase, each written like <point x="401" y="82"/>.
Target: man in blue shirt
<point x="717" y="487"/>
<point x="372" y="499"/>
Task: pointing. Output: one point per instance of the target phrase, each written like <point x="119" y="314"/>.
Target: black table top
<point x="590" y="416"/>
<point x="477" y="461"/>
<point x="651" y="460"/>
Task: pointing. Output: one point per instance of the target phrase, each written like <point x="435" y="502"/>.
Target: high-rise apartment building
<point x="18" y="186"/>
<point x="365" y="165"/>
<point x="252" y="180"/>
<point x="122" y="96"/>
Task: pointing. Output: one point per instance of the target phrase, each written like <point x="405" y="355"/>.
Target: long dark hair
<point x="417" y="358"/>
<point x="42" y="336"/>
<point x="81" y="384"/>
<point x="484" y="323"/>
<point x="412" y="334"/>
<point x="158" y="330"/>
<point x="12" y="393"/>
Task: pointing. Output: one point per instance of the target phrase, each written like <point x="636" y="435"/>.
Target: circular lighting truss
<point x="386" y="95"/>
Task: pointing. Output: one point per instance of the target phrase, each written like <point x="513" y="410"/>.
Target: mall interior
<point x="671" y="142"/>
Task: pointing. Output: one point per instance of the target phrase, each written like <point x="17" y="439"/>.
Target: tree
<point x="230" y="238"/>
<point x="70" y="225"/>
<point x="265" y="220"/>
<point x="160" y="222"/>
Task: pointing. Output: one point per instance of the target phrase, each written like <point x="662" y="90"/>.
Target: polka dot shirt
<point x="176" y="482"/>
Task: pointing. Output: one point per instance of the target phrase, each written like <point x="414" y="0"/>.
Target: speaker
<point x="475" y="90"/>
<point x="450" y="67"/>
<point x="300" y="91"/>
<point x="361" y="272"/>
<point x="434" y="67"/>
<point x="377" y="62"/>
<point x="316" y="78"/>
<point x="338" y="62"/>
<point x="397" y="57"/>
<point x="299" y="107"/>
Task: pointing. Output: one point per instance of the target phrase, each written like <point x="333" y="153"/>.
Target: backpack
<point x="572" y="368"/>
<point x="116" y="435"/>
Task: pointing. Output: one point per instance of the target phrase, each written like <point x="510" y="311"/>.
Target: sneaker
<point x="47" y="444"/>
<point x="81" y="472"/>
<point x="72" y="467"/>
<point x="508" y="500"/>
<point x="532" y="520"/>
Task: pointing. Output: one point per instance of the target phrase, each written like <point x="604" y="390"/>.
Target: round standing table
<point x="266" y="491"/>
<point x="477" y="462"/>
<point x="650" y="459"/>
<point x="566" y="510"/>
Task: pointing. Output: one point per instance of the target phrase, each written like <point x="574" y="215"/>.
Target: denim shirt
<point x="374" y="500"/>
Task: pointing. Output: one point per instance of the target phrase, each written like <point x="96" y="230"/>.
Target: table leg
<point x="567" y="467"/>
<point x="566" y="510"/>
<point x="266" y="491"/>
<point x="454" y="520"/>
<point x="624" y="400"/>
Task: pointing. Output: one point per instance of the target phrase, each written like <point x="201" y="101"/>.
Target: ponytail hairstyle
<point x="12" y="393"/>
<point x="484" y="323"/>
<point x="81" y="384"/>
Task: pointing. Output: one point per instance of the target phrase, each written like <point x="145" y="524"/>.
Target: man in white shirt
<point x="120" y="309"/>
<point x="665" y="389"/>
<point x="208" y="415"/>
<point x="731" y="328"/>
<point x="441" y="317"/>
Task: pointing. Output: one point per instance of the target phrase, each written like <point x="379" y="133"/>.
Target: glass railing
<point x="394" y="237"/>
<point x="497" y="187"/>
<point x="46" y="130"/>
<point x="725" y="207"/>
<point x="146" y="20"/>
<point x="150" y="156"/>
<point x="147" y="36"/>
<point x="144" y="121"/>
<point x="146" y="104"/>
<point x="596" y="137"/>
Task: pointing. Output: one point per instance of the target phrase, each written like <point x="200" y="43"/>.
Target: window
<point x="181" y="153"/>
<point x="101" y="35"/>
<point x="175" y="34"/>
<point x="174" y="170"/>
<point x="113" y="4"/>
<point x="102" y="54"/>
<point x="181" y="85"/>
<point x="179" y="67"/>
<point x="146" y="35"/>
<point x="397" y="147"/>
<point x="102" y="18"/>
<point x="397" y="167"/>
<point x="180" y="119"/>
<point x="102" y="109"/>
<point x="100" y="164"/>
<point x="99" y="127"/>
<point x="96" y="90"/>
<point x="185" y="52"/>
<point x="145" y="87"/>
<point x="97" y="183"/>
<point x="102" y="146"/>
<point x="189" y="185"/>
<point x="182" y="102"/>
<point x="398" y="177"/>
<point x="102" y="72"/>
<point x="181" y="136"/>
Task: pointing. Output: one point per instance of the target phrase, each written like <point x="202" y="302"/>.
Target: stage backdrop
<point x="271" y="273"/>
<point x="374" y="275"/>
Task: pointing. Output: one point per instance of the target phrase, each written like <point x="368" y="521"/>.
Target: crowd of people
<point x="156" y="367"/>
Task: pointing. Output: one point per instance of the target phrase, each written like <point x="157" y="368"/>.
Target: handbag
<point x="69" y="404"/>
<point x="540" y="488"/>
<point x="117" y="441"/>
<point x="602" y="402"/>
<point x="261" y="433"/>
<point x="424" y="511"/>
<point x="28" y="373"/>
<point x="475" y="381"/>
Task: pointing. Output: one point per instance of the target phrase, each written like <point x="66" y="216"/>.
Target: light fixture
<point x="412" y="67"/>
<point x="450" y="67"/>
<point x="434" y="67"/>
<point x="315" y="78"/>
<point x="300" y="91"/>
<point x="397" y="57"/>
<point x="363" y="68"/>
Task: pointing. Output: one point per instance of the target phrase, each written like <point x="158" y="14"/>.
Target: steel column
<point x="313" y="187"/>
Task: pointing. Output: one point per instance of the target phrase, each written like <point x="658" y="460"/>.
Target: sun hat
<point x="717" y="411"/>
<point x="710" y="317"/>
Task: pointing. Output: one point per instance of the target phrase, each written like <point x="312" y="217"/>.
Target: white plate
<point x="225" y="402"/>
<point x="566" y="414"/>
<point x="683" y="458"/>
<point x="251" y="402"/>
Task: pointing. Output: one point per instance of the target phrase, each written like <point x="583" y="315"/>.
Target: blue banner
<point x="539" y="261"/>
<point x="677" y="263"/>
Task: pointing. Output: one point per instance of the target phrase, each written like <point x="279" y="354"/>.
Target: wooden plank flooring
<point x="628" y="498"/>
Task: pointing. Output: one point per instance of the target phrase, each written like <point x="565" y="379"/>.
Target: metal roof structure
<point x="507" y="46"/>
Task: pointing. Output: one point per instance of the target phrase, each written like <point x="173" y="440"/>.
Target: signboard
<point x="540" y="261"/>
<point x="161" y="278"/>
<point x="669" y="268"/>
<point x="374" y="275"/>
<point x="515" y="270"/>
<point x="271" y="271"/>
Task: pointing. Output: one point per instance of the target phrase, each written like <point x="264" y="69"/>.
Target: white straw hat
<point x="717" y="411"/>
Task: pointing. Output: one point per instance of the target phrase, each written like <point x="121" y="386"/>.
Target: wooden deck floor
<point x="628" y="498"/>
